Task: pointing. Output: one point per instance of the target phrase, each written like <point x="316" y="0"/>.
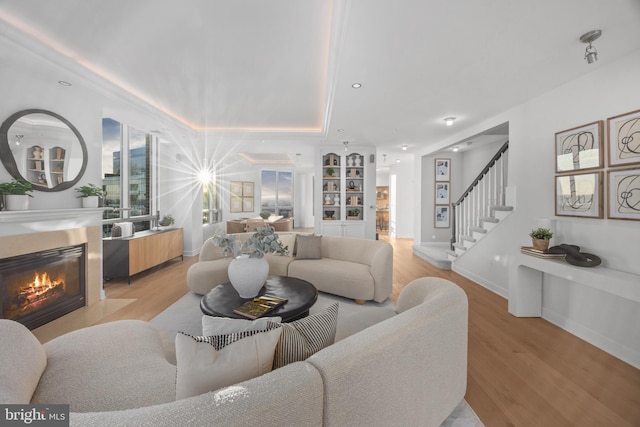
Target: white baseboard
<point x="493" y="287"/>
<point x="614" y="348"/>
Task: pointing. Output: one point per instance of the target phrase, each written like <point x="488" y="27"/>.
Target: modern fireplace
<point x="38" y="287"/>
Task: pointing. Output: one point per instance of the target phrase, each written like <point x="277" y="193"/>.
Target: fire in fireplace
<point x="39" y="287"/>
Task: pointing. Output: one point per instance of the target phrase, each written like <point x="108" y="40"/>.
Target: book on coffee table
<point x="259" y="306"/>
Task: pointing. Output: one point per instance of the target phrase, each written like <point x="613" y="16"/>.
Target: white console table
<point x="525" y="282"/>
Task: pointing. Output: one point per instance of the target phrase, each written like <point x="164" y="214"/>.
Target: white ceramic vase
<point x="16" y="202"/>
<point x="247" y="275"/>
<point x="90" y="201"/>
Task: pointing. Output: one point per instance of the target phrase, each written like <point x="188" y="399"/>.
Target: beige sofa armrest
<point x="382" y="272"/>
<point x="423" y="354"/>
<point x="209" y="251"/>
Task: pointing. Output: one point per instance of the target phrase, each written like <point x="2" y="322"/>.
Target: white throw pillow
<point x="212" y="325"/>
<point x="288" y="240"/>
<point x="201" y="368"/>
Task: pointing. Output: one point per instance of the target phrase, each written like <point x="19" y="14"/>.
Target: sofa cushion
<point x="108" y="367"/>
<point x="278" y="264"/>
<point x="308" y="247"/>
<point x="288" y="240"/>
<point x="23" y="362"/>
<point x="205" y="365"/>
<point x="212" y="325"/>
<point x="302" y="338"/>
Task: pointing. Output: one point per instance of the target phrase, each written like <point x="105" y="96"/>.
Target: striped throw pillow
<point x="304" y="337"/>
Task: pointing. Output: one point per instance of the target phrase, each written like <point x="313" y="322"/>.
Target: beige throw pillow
<point x="212" y="325"/>
<point x="308" y="247"/>
<point x="202" y="368"/>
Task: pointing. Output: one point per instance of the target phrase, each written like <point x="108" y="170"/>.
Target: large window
<point x="210" y="212"/>
<point x="126" y="174"/>
<point x="277" y="192"/>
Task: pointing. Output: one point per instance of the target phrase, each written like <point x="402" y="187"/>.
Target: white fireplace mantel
<point x="34" y="221"/>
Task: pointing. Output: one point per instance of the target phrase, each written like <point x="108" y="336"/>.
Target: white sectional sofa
<point x="360" y="269"/>
<point x="407" y="370"/>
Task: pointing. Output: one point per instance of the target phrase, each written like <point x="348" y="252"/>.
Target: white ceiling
<point x="282" y="70"/>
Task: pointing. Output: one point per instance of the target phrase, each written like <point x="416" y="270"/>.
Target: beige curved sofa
<point x="360" y="269"/>
<point x="407" y="370"/>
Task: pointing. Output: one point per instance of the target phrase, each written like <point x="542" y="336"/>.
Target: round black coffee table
<point x="301" y="295"/>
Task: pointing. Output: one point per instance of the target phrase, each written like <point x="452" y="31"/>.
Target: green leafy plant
<point x="90" y="190"/>
<point x="166" y="221"/>
<point x="263" y="241"/>
<point x="265" y="214"/>
<point x="330" y="171"/>
<point x="541" y="233"/>
<point x="16" y="187"/>
<point x="356" y="212"/>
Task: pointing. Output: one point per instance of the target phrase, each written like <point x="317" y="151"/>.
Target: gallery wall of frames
<point x="584" y="185"/>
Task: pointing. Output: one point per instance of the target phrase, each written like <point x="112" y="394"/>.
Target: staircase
<point x="481" y="207"/>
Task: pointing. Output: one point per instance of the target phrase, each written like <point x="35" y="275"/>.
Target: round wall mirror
<point x="42" y="148"/>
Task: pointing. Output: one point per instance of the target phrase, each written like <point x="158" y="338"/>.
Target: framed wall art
<point x="236" y="189"/>
<point x="236" y="204"/>
<point x="442" y="193"/>
<point x="624" y="139"/>
<point x="579" y="195"/>
<point x="443" y="171"/>
<point x="624" y="194"/>
<point x="441" y="217"/>
<point x="247" y="189"/>
<point x="580" y="148"/>
<point x="247" y="204"/>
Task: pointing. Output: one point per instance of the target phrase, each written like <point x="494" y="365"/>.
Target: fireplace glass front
<point x="39" y="287"/>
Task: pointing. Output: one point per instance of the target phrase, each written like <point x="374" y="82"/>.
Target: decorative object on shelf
<point x="579" y="195"/>
<point x="15" y="195"/>
<point x="329" y="214"/>
<point x="248" y="270"/>
<point x="574" y="257"/>
<point x="579" y="148"/>
<point x="624" y="194"/>
<point x="327" y="200"/>
<point x="330" y="171"/>
<point x="443" y="171"/>
<point x="37" y="152"/>
<point x="90" y="195"/>
<point x="352" y="185"/>
<point x="528" y="250"/>
<point x="265" y="214"/>
<point x="350" y="161"/>
<point x="336" y="199"/>
<point x="358" y="161"/>
<point x="624" y="144"/>
<point x="540" y="238"/>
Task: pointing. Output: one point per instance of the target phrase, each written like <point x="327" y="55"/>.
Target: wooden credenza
<point x="125" y="257"/>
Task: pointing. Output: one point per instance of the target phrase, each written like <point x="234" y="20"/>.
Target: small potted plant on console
<point x="541" y="237"/>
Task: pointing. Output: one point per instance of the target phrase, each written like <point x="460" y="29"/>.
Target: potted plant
<point x="166" y="221"/>
<point x="330" y="171"/>
<point x="90" y="195"/>
<point x="15" y="194"/>
<point x="265" y="214"/>
<point x="249" y="270"/>
<point x="541" y="237"/>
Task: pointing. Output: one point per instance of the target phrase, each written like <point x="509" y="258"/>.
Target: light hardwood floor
<point x="521" y="371"/>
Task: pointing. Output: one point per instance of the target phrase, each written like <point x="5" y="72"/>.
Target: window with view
<point x="277" y="192"/>
<point x="126" y="174"/>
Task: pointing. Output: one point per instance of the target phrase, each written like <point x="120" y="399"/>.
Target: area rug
<point x="185" y="316"/>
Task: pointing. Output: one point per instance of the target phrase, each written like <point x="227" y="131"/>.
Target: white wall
<point x="405" y="202"/>
<point x="608" y="321"/>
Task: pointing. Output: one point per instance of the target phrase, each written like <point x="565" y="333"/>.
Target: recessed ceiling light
<point x="397" y="160"/>
<point x="356" y="85"/>
<point x="340" y="130"/>
<point x="64" y="83"/>
<point x="455" y="149"/>
<point x="405" y="147"/>
<point x="449" y="120"/>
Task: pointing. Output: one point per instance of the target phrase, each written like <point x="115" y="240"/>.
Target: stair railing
<point x="487" y="190"/>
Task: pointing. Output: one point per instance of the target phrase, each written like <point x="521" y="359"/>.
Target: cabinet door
<point x="331" y="228"/>
<point x="353" y="229"/>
